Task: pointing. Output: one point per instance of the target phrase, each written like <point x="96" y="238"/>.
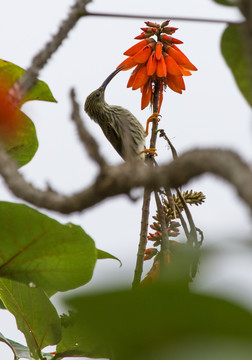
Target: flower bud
<point x="149" y="253"/>
<point x="143" y="35"/>
<point x="169" y="30"/>
<point x="152" y="24"/>
<point x="148" y="30"/>
<point x="165" y="23"/>
<point x="174" y="224"/>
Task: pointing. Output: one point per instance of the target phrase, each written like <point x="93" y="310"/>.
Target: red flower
<point x="155" y="61"/>
<point x="9" y="116"/>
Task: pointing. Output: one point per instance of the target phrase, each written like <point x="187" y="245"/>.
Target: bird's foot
<point x="154" y="116"/>
<point x="149" y="151"/>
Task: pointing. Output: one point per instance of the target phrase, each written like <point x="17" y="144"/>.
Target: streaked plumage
<point x="118" y="124"/>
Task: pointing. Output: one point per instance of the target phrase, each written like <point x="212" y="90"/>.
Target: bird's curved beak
<point x="110" y="77"/>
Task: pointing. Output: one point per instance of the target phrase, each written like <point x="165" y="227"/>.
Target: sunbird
<point x="119" y="125"/>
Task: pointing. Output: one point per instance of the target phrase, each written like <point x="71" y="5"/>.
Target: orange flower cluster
<point x="156" y="61"/>
<point x="9" y="116"/>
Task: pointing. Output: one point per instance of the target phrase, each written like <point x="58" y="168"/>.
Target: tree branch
<point x="29" y="79"/>
<point x="86" y="138"/>
<point x="121" y="179"/>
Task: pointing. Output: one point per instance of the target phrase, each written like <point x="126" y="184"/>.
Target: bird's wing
<point x="112" y="134"/>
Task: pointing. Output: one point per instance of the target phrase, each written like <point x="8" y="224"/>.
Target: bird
<point x="119" y="125"/>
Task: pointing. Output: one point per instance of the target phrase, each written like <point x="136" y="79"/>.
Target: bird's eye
<point x="98" y="94"/>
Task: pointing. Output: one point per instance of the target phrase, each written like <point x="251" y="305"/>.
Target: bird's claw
<point x="154" y="116"/>
<point x="150" y="151"/>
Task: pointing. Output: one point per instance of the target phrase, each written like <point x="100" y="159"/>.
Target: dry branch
<point x="29" y="79"/>
<point x="121" y="179"/>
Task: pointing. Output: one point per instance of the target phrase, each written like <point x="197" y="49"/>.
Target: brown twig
<point x="86" y="138"/>
<point x="161" y="217"/>
<point x="173" y="150"/>
<point x="192" y="235"/>
<point x="192" y="238"/>
<point x="183" y="223"/>
<point x="121" y="179"/>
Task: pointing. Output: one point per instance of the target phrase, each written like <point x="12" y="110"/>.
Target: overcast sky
<point x="210" y="113"/>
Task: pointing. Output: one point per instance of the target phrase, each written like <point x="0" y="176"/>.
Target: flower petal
<point x="141" y="78"/>
<point x="128" y="63"/>
<point x="185" y="72"/>
<point x="146" y="95"/>
<point x="176" y="83"/>
<point x="161" y="67"/>
<point x="152" y="64"/>
<point x="158" y="50"/>
<point x="132" y="77"/>
<point x="135" y="48"/>
<point x="172" y="67"/>
<point x="180" y="58"/>
<point x="160" y="99"/>
<point x="143" y="55"/>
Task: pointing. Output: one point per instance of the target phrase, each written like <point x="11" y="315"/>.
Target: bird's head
<point x="95" y="101"/>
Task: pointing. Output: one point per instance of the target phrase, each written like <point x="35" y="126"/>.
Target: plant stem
<point x="192" y="235"/>
<point x="155" y="110"/>
<point x="146" y="200"/>
<point x="161" y="217"/>
<point x="143" y="238"/>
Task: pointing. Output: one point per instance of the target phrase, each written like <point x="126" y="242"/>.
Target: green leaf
<point x="76" y="342"/>
<point x="105" y="255"/>
<point x="163" y="318"/>
<point x="17" y="131"/>
<point x="234" y="52"/>
<point x="2" y="305"/>
<point x="37" y="249"/>
<point x="10" y="73"/>
<point x="227" y="2"/>
<point x="19" y="350"/>
<point x="35" y="315"/>
<point x="24" y="144"/>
